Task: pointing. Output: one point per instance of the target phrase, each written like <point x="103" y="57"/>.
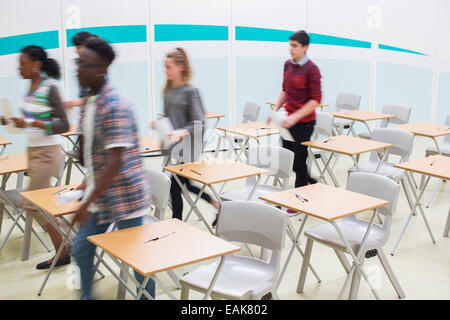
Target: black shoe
<point x="60" y="262"/>
<point x="311" y="180"/>
<point x="214" y="222"/>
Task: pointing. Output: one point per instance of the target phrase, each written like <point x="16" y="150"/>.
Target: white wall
<point x="230" y="71"/>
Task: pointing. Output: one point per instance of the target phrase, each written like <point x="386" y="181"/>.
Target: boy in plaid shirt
<point x="116" y="188"/>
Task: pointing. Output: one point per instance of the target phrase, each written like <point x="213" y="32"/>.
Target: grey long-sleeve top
<point x="183" y="106"/>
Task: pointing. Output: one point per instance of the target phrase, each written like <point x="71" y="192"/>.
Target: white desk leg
<point x="214" y="279"/>
<point x="447" y="225"/>
<point x="27" y="237"/>
<point x="417" y="204"/>
<point x="191" y="203"/>
<point x="356" y="258"/>
<point x="195" y="202"/>
<point x="437" y="188"/>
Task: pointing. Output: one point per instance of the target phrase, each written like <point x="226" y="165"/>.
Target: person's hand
<point x="82" y="215"/>
<point x="3" y="121"/>
<point x="269" y="118"/>
<point x="19" y="122"/>
<point x="289" y="122"/>
<point x="82" y="186"/>
<point x="177" y="135"/>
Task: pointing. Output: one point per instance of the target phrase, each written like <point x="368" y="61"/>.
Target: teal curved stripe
<point x="391" y="48"/>
<point x="189" y="32"/>
<point x="178" y="32"/>
<point x="113" y="34"/>
<point x="276" y="35"/>
<point x="13" y="44"/>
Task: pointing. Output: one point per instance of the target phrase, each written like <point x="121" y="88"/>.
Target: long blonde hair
<point x="180" y="57"/>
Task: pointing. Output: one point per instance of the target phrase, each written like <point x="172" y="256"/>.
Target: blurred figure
<point x="44" y="119"/>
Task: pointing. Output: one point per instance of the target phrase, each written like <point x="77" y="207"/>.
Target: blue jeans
<point x="150" y="286"/>
<point x="83" y="252"/>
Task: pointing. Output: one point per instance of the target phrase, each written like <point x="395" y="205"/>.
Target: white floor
<point x="422" y="268"/>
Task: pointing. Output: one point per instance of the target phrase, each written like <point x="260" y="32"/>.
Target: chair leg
<point x="305" y="264"/>
<point x="219" y="143"/>
<point x="447" y="225"/>
<point x="184" y="292"/>
<point x="121" y="290"/>
<point x="343" y="260"/>
<point x="390" y="273"/>
<point x="69" y="170"/>
<point x="356" y="281"/>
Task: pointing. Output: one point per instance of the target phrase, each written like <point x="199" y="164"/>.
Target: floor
<point x="422" y="267"/>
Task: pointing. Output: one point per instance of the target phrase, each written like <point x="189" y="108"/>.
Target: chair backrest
<point x="254" y="223"/>
<point x="277" y="160"/>
<point x="401" y="140"/>
<point x="348" y="101"/>
<point x="251" y="112"/>
<point x="160" y="190"/>
<point x="401" y="111"/>
<point x="380" y="187"/>
<point x="324" y="125"/>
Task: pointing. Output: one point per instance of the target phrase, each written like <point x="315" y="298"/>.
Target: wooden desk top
<point x="324" y="202"/>
<point x="150" y="144"/>
<point x="187" y="245"/>
<point x="16" y="162"/>
<point x="215" y="170"/>
<point x="436" y="166"/>
<point x="273" y="104"/>
<point x="73" y="130"/>
<point x="362" y="115"/>
<point x="45" y="199"/>
<point x="208" y="115"/>
<point x="252" y="129"/>
<point x="347" y="145"/>
<point x="425" y="129"/>
<point x="4" y="142"/>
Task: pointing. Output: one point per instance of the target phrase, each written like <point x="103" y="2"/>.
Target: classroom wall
<point x="386" y="51"/>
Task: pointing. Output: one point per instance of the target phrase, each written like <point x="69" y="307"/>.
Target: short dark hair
<point x="300" y="36"/>
<point x="102" y="48"/>
<point x="80" y="38"/>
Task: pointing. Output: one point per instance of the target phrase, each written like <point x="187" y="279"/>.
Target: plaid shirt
<point x="115" y="126"/>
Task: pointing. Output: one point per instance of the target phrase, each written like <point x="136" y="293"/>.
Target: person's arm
<point x="107" y="176"/>
<point x="281" y="100"/>
<point x="74" y="103"/>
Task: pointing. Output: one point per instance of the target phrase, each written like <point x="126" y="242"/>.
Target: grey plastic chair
<point x="401" y="111"/>
<point x="243" y="277"/>
<point x="322" y="129"/>
<point x="19" y="205"/>
<point x="354" y="230"/>
<point x="250" y="114"/>
<point x="346" y="101"/>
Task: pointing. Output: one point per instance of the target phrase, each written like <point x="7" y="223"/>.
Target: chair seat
<point x="364" y="135"/>
<point x="386" y="169"/>
<point x="236" y="279"/>
<point x="242" y="194"/>
<point x="15" y="197"/>
<point x="352" y="229"/>
<point x="445" y="149"/>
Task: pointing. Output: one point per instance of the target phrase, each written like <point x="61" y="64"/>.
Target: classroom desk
<point x="186" y="245"/>
<point x="9" y="164"/>
<point x="346" y="145"/>
<point x="3" y="143"/>
<point x="425" y="129"/>
<point x="210" y="172"/>
<point x="149" y="145"/>
<point x="249" y="130"/>
<point x="339" y="203"/>
<point x="433" y="166"/>
<point x="44" y="201"/>
<point x="273" y="104"/>
<point x="361" y="116"/>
